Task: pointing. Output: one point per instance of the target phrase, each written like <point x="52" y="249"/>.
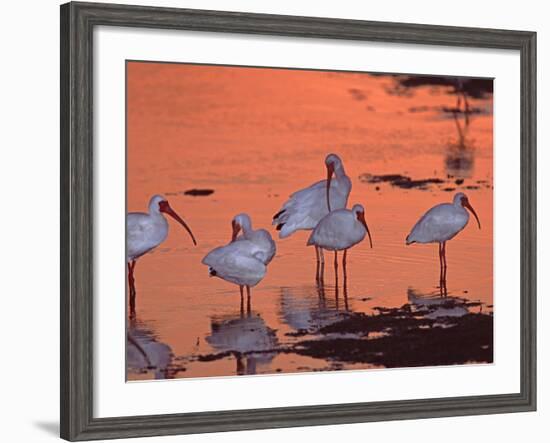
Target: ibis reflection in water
<point x="308" y="308"/>
<point x="439" y="225"/>
<point x="144" y="232"/>
<point x="247" y="336"/>
<point x="145" y="353"/>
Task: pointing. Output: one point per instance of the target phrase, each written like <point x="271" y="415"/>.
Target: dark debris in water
<point x="412" y="341"/>
<point x="297" y="333"/>
<point x="388" y="319"/>
<point x="357" y="94"/>
<point x="447" y="111"/>
<point x="449" y="184"/>
<point x="199" y="192"/>
<point x="400" y="181"/>
<point x="472" y="87"/>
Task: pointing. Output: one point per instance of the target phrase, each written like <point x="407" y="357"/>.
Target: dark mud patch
<point x="401" y="181"/>
<point x="388" y="320"/>
<point x="478" y="88"/>
<point x="449" y="184"/>
<point x="199" y="192"/>
<point x="298" y="333"/>
<point x="411" y="342"/>
<point x="447" y="111"/>
<point x="427" y="331"/>
<point x="217" y="356"/>
<point x="357" y="94"/>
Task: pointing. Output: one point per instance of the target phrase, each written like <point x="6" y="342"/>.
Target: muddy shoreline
<point x="444" y="332"/>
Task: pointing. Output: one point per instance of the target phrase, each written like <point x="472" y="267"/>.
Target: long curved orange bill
<point x="236" y="228"/>
<point x="472" y="210"/>
<point x="330" y="171"/>
<point x="361" y="217"/>
<point x="168" y="210"/>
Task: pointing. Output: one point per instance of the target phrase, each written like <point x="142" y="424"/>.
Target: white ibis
<point x="440" y="224"/>
<point x="145" y="231"/>
<point x="242" y="262"/>
<point x="340" y="230"/>
<point x="260" y="237"/>
<point x="305" y="208"/>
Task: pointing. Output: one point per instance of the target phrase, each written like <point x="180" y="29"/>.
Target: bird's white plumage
<point x="338" y="230"/>
<point x="260" y="237"/>
<point x="306" y="207"/>
<point x="440" y="223"/>
<point x="240" y="262"/>
<point x="145" y="231"/>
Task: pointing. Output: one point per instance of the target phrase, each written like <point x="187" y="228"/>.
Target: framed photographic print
<point x="273" y="221"/>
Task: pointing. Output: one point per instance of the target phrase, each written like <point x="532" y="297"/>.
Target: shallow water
<point x="254" y="136"/>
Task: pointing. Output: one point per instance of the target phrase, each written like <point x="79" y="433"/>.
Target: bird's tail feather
<point x="276" y="216"/>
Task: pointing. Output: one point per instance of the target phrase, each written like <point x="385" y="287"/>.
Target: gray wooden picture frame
<point x="77" y="24"/>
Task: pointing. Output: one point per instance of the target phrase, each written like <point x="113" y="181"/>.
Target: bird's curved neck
<point x="247" y="228"/>
<point x="339" y="171"/>
<point x="155" y="213"/>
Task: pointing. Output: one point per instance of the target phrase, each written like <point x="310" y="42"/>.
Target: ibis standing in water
<point x="145" y="231"/>
<point x="338" y="231"/>
<point x="440" y="224"/>
<point x="244" y="260"/>
<point x="305" y="208"/>
<point x="260" y="237"/>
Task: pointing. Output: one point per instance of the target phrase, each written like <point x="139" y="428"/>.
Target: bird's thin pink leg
<point x="344" y="266"/>
<point x="318" y="263"/>
<point x="248" y="310"/>
<point x="322" y="272"/>
<point x="240" y="365"/>
<point x="241" y="289"/>
<point x="440" y="269"/>
<point x="444" y="279"/>
<point x="336" y="267"/>
<point x="132" y="287"/>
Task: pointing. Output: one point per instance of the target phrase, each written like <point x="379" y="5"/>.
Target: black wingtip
<point x="278" y="214"/>
<point x="280" y="226"/>
<point x="213" y="272"/>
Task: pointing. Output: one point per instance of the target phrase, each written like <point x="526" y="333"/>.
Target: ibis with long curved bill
<point x="440" y="224"/>
<point x="339" y="230"/>
<point x="306" y="207"/>
<point x="145" y="231"/>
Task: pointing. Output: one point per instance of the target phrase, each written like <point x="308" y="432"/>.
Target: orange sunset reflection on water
<point x="254" y="136"/>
